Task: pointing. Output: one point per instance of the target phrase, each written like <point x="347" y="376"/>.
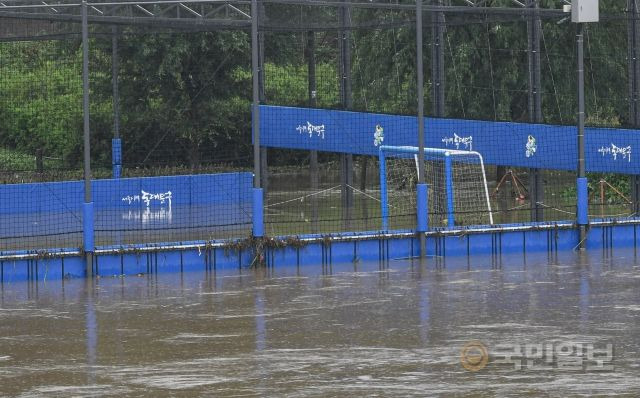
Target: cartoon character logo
<point x="531" y="146"/>
<point x="378" y="136"/>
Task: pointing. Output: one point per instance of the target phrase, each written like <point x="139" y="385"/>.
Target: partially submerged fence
<point x="127" y="211"/>
<point x="172" y="84"/>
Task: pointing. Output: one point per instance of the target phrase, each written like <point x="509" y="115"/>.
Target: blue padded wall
<point x="500" y="143"/>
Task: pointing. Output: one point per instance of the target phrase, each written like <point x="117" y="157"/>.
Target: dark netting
<point x="337" y="85"/>
<point x="333" y="59"/>
<point x="608" y="106"/>
<point x="176" y="127"/>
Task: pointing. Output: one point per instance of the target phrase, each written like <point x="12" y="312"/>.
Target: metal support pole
<point x="536" y="188"/>
<point x="582" y="195"/>
<point x="256" y="94"/>
<point x="116" y="144"/>
<point x="384" y="200"/>
<point x="257" y="190"/>
<point x="264" y="162"/>
<point x="633" y="30"/>
<point x="420" y="93"/>
<point x="437" y="61"/>
<point x="346" y="159"/>
<point x="87" y="209"/>
<point x="633" y="45"/>
<point x="313" y="102"/>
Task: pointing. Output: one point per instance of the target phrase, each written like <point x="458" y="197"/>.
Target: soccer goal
<point x="457" y="193"/>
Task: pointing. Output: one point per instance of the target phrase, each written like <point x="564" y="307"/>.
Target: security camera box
<point x="584" y="11"/>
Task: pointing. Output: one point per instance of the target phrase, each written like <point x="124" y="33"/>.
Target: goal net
<point x="457" y="187"/>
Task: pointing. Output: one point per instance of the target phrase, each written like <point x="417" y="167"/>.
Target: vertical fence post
<point x="346" y="159"/>
<point x="582" y="11"/>
<point x="264" y="161"/>
<point x="581" y="184"/>
<point x="87" y="207"/>
<point x="536" y="189"/>
<point x="437" y="61"/>
<point x="633" y="43"/>
<point x="420" y="93"/>
<point x="313" y="102"/>
<point x="116" y="143"/>
<point x="448" y="176"/>
<point x="384" y="199"/>
<point x="258" y="208"/>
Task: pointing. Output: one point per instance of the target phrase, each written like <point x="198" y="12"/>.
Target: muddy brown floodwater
<point x="561" y="325"/>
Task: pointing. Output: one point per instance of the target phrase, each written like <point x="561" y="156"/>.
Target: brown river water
<point x="562" y="325"/>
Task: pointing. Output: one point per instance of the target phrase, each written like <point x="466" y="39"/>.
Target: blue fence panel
<point x="500" y="143"/>
<point x="127" y="210"/>
<point x="41" y="215"/>
<point x="610" y="150"/>
<point x="175" y="208"/>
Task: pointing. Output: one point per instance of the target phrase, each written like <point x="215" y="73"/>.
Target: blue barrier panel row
<point x="128" y="210"/>
<point x="500" y="143"/>
<point x="173" y="208"/>
<point x="38" y="216"/>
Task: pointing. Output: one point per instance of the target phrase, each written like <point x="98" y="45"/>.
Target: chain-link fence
<point x="171" y="132"/>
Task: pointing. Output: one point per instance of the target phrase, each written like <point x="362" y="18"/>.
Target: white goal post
<point x="457" y="193"/>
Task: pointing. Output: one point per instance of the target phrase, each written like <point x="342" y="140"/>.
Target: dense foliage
<point x="185" y="97"/>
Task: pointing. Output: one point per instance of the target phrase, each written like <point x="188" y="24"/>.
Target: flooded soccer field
<point x="565" y="325"/>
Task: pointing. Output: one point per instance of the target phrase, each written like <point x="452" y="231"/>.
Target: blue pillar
<point x="448" y="175"/>
<point x="422" y="211"/>
<point x="258" y="213"/>
<point x="87" y="227"/>
<point x="583" y="201"/>
<point x="116" y="157"/>
<point x="384" y="204"/>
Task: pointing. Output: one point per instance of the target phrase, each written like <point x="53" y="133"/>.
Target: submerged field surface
<point x="363" y="329"/>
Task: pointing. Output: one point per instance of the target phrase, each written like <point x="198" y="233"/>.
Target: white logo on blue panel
<point x="531" y="147"/>
<point x="147" y="215"/>
<point x="311" y="129"/>
<point x="457" y="141"/>
<point x="378" y="136"/>
<point x="615" y="151"/>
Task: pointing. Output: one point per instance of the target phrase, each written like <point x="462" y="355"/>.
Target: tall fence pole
<point x="346" y="159"/>
<point x="536" y="188"/>
<point x="313" y="102"/>
<point x="633" y="44"/>
<point x="264" y="162"/>
<point x="421" y="189"/>
<point x="87" y="208"/>
<point x="116" y="143"/>
<point x="258" y="219"/>
<point x="437" y="61"/>
<point x="384" y="200"/>
<point x="582" y="194"/>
